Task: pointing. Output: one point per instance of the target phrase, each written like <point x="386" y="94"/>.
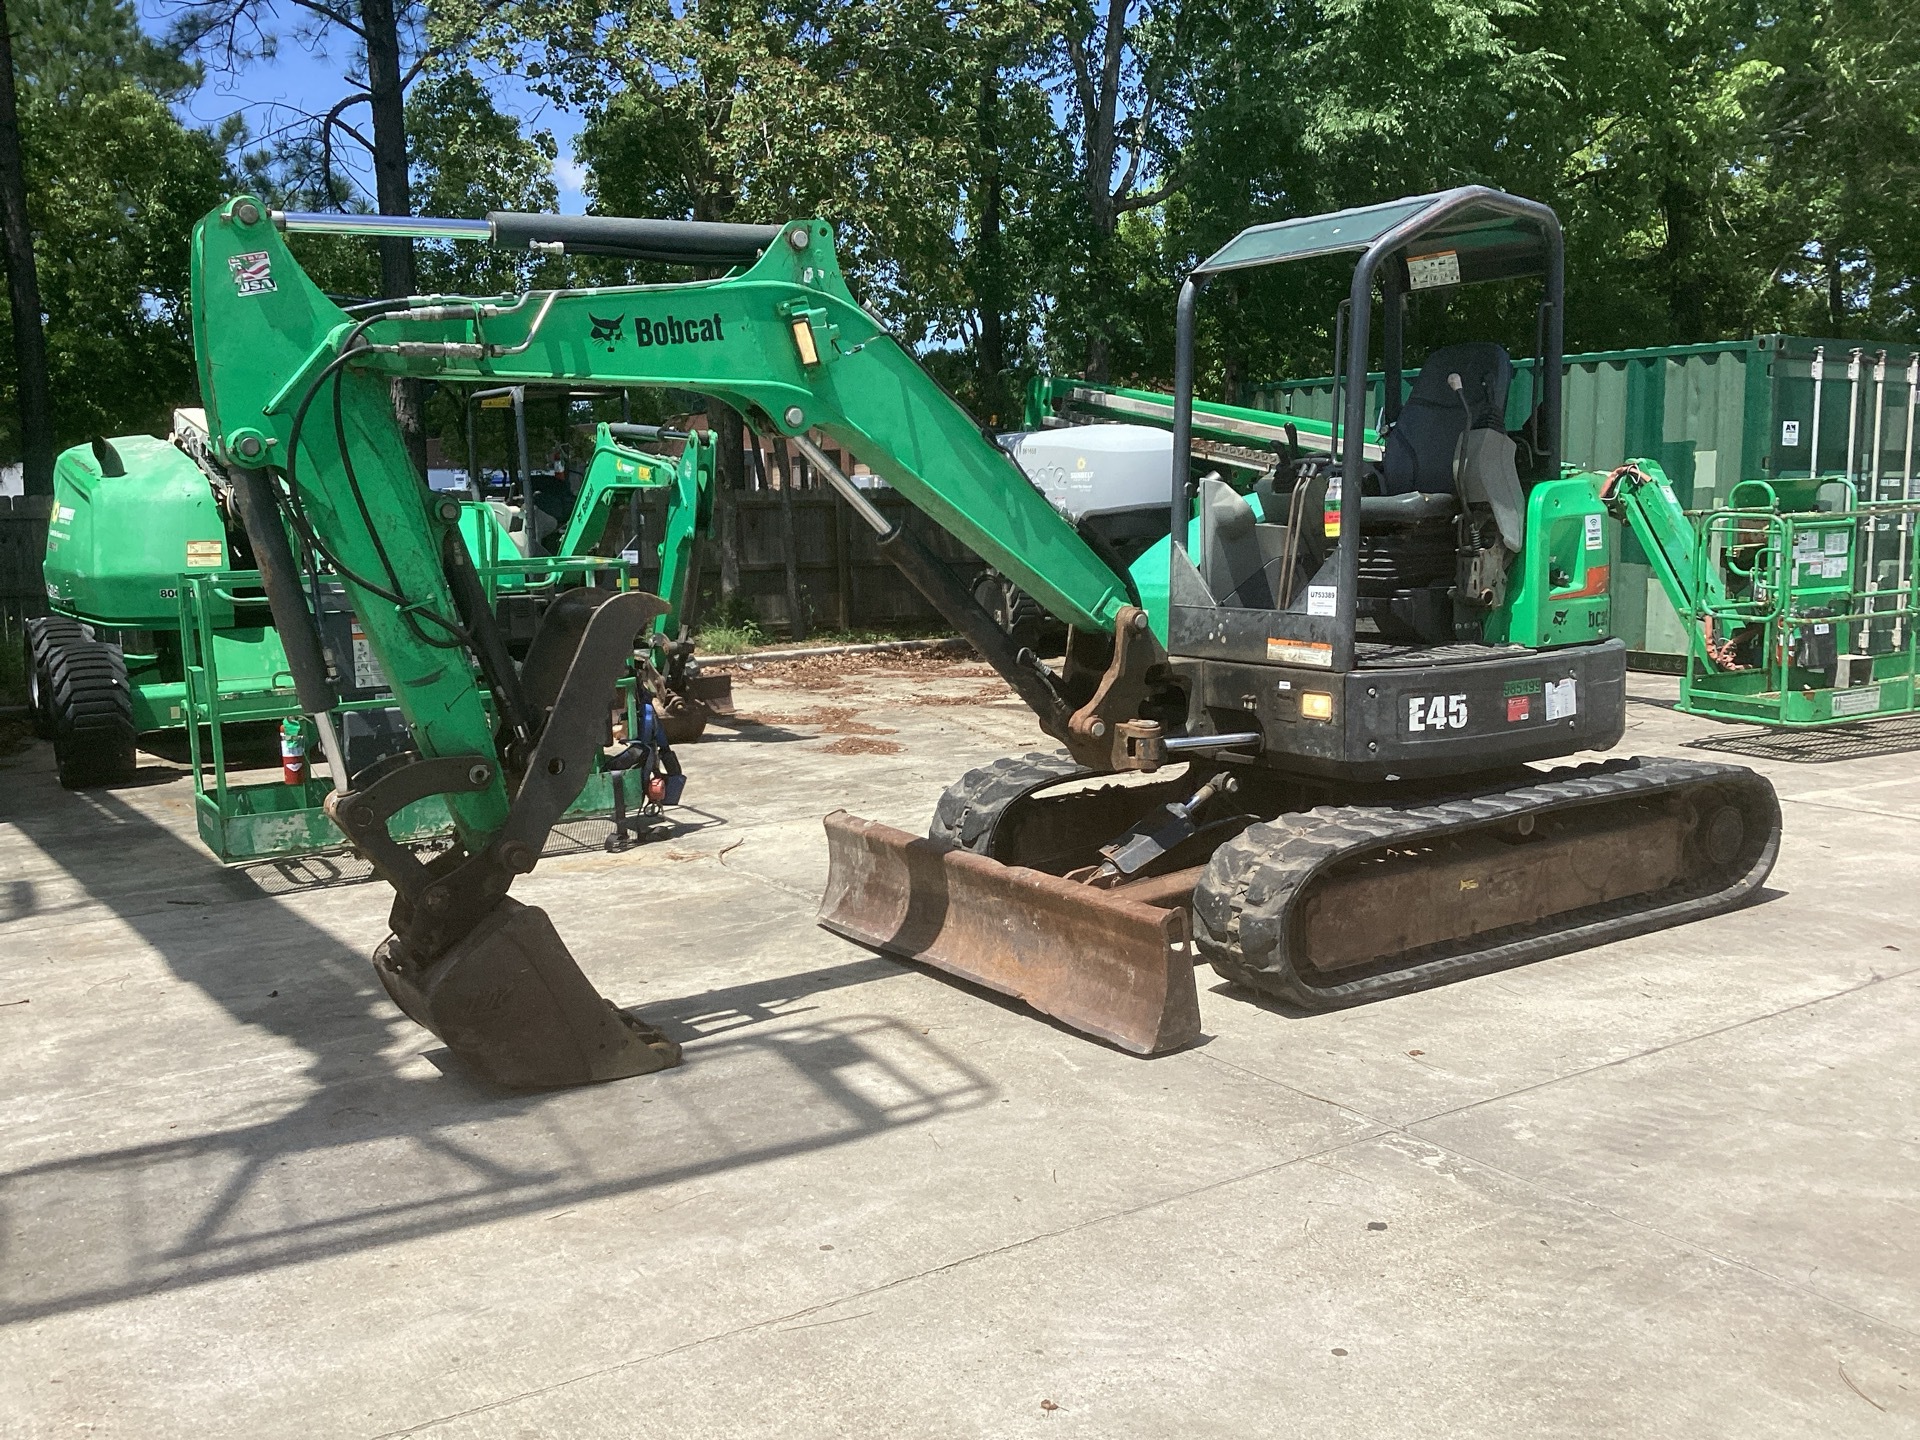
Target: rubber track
<point x="1243" y="908"/>
<point x="971" y="808"/>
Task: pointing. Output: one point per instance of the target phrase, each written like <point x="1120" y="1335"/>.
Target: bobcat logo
<point x="607" y="332"/>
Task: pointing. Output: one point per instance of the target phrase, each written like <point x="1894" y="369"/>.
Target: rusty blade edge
<point x="1101" y="963"/>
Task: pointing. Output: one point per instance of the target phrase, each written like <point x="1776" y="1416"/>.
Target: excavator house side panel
<point x="1101" y="963"/>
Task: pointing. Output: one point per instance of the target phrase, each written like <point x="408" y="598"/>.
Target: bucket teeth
<point x="1099" y="962"/>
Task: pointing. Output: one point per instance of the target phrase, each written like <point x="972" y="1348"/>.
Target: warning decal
<point x="1300" y="652"/>
<point x="1429" y="272"/>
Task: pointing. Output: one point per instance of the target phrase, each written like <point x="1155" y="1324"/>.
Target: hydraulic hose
<point x="280" y="578"/>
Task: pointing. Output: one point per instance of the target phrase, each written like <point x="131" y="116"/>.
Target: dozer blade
<point x="1099" y="962"/>
<point x="510" y="1001"/>
<point x="715" y="692"/>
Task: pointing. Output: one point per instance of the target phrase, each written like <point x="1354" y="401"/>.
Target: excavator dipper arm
<point x="299" y="401"/>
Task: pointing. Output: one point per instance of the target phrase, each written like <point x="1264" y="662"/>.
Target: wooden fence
<point x="23" y="540"/>
<point x="844" y="581"/>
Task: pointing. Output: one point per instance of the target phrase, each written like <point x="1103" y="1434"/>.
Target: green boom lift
<point x="1311" y="745"/>
<point x="158" y="624"/>
<point x="1799" y="597"/>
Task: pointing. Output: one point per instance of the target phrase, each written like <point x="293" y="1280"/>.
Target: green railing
<point x="242" y="820"/>
<point x="1814" y="615"/>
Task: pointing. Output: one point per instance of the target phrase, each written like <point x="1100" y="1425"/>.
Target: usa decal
<point x="252" y="272"/>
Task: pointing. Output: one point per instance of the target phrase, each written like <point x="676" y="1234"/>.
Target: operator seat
<point x="1241" y="555"/>
<point x="1421" y="446"/>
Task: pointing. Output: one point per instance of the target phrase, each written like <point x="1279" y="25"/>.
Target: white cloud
<point x="571" y="174"/>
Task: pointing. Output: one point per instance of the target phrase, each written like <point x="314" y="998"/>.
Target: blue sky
<point x="268" y="93"/>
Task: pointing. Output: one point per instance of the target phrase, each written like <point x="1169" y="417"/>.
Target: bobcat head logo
<point x="607" y="332"/>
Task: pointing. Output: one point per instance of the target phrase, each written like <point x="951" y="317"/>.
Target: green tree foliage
<point x="467" y="158"/>
<point x="1022" y="183"/>
<point x="737" y="110"/>
<point x="115" y="182"/>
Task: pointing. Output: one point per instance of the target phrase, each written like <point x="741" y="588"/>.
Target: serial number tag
<point x="1436" y="712"/>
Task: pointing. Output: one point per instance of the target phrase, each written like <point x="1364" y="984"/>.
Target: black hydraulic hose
<point x="1015" y="664"/>
<point x="280" y="578"/>
<point x="470" y="599"/>
<point x="409" y="610"/>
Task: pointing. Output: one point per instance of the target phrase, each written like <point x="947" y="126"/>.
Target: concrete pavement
<point x="1665" y="1187"/>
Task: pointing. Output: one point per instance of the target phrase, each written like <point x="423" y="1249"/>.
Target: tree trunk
<point x="1099" y="358"/>
<point x="23" y="289"/>
<point x="989" y="262"/>
<point x="1102" y="144"/>
<point x="790" y="544"/>
<point x="1686" y="295"/>
<point x="397" y="274"/>
<point x="1836" y="296"/>
<point x="729" y="473"/>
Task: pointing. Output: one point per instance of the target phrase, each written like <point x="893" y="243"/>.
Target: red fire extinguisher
<point x="293" y="751"/>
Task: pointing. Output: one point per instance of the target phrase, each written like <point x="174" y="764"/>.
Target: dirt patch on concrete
<point x="837" y="673"/>
<point x="859" y="745"/>
<point x="828" y="719"/>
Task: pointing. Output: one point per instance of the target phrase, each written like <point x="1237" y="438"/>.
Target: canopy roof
<point x="1492" y="235"/>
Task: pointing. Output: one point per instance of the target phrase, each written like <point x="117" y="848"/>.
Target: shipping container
<point x="1712" y="415"/>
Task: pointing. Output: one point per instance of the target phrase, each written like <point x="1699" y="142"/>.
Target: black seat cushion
<point x="1420" y="446"/>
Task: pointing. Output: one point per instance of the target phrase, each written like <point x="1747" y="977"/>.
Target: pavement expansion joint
<point x="1876" y="978"/>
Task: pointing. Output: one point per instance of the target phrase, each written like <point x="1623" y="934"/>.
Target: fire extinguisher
<point x="293" y="751"/>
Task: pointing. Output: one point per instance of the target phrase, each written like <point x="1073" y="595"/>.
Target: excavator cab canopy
<point x="1487" y="236"/>
<point x="1436" y="242"/>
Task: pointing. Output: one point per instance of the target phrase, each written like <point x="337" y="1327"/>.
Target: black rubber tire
<point x="41" y="633"/>
<point x="1023" y="618"/>
<point x="92" y="710"/>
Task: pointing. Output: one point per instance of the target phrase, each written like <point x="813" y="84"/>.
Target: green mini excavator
<point x="1298" y="734"/>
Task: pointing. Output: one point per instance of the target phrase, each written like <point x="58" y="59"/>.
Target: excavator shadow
<point x="736" y="728"/>
<point x="1871" y="740"/>
<point x="297" y="874"/>
<point x="299" y="1124"/>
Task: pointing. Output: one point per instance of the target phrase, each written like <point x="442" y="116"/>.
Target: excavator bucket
<point x="714" y="692"/>
<point x="510" y="1001"/>
<point x="1100" y="961"/>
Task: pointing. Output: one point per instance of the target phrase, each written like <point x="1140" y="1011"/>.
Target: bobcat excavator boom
<point x="297" y="394"/>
